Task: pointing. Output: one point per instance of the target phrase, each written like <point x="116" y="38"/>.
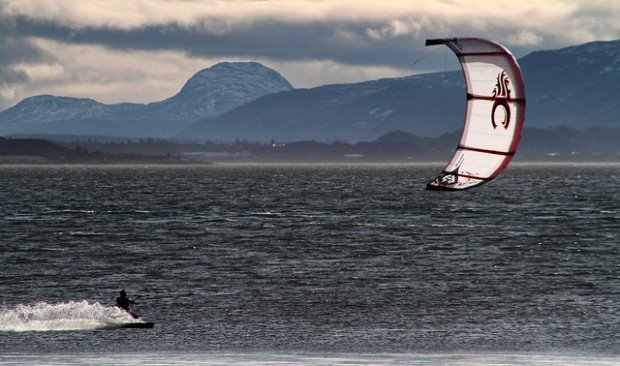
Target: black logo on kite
<point x="501" y="95"/>
<point x="450" y="178"/>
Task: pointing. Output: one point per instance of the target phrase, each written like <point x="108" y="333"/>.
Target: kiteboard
<point x="138" y="325"/>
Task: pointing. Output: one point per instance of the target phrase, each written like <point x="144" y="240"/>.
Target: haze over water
<point x="348" y="264"/>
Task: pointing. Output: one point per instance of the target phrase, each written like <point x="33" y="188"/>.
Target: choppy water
<point x="278" y="260"/>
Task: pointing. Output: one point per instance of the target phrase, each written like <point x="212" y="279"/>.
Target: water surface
<point x="320" y="259"/>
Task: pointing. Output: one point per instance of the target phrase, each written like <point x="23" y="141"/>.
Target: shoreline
<point x="284" y="164"/>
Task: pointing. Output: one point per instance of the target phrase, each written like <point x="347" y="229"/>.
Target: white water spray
<point x="71" y="315"/>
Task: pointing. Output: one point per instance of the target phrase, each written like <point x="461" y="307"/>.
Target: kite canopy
<point x="495" y="113"/>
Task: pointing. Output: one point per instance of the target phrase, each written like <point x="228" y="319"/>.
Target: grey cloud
<point x="347" y="42"/>
<point x="365" y="43"/>
<point x="277" y="40"/>
<point x="357" y="43"/>
<point x="14" y="50"/>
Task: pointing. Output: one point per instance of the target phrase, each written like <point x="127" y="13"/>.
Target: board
<point x="138" y="325"/>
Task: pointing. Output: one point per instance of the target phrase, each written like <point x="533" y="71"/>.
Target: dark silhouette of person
<point x="123" y="302"/>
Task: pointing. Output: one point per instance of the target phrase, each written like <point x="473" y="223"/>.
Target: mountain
<point x="217" y="90"/>
<point x="349" y="112"/>
<point x="574" y="86"/>
<point x="208" y="93"/>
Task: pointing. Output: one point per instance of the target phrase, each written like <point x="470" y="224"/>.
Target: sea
<point x="309" y="264"/>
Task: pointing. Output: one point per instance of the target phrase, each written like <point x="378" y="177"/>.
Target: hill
<point x="575" y="87"/>
<point x="33" y="147"/>
<point x="40" y="151"/>
<point x="208" y="93"/>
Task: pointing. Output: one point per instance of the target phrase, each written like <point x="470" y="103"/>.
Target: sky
<point x="144" y="51"/>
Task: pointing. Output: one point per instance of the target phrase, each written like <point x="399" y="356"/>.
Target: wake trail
<point x="71" y="315"/>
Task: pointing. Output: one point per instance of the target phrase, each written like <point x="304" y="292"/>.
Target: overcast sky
<point x="144" y="50"/>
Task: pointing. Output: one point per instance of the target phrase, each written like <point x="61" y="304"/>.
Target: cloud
<point x="146" y="76"/>
<point x="14" y="50"/>
<point x="357" y="38"/>
<point x="373" y="32"/>
<point x="77" y="70"/>
<point x="41" y="72"/>
<point x="321" y="72"/>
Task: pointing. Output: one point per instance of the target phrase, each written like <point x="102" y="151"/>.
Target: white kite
<point x="495" y="113"/>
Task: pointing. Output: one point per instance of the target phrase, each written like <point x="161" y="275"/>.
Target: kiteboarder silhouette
<point x="123" y="302"/>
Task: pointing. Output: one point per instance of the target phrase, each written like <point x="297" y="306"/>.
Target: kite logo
<point x="450" y="178"/>
<point x="501" y="95"/>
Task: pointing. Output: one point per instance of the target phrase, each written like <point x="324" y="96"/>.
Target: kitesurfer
<point x="123" y="302"/>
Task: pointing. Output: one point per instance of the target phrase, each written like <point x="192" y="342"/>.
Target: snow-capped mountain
<point x="208" y="93"/>
<point x="349" y="112"/>
<point x="48" y="109"/>
<point x="219" y="89"/>
<point x="574" y="86"/>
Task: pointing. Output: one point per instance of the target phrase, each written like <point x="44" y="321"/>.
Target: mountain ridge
<point x="207" y="93"/>
<point x="574" y="86"/>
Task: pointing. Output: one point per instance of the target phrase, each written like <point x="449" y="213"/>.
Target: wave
<point x="268" y="214"/>
<point x="70" y="315"/>
<point x="325" y="358"/>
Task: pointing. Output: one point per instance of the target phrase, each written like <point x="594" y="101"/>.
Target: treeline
<point x="535" y="143"/>
<point x="394" y="144"/>
<point x="147" y="146"/>
<point x="593" y="141"/>
<point x="597" y="143"/>
<point x="57" y="153"/>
